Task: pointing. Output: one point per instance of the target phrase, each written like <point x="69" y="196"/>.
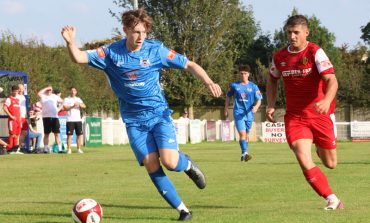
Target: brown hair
<point x="131" y="18"/>
<point x="245" y="67"/>
<point x="297" y="20"/>
<point x="15" y="88"/>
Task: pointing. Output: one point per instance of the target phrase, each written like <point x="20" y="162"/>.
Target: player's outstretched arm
<point x="201" y="74"/>
<point x="77" y="55"/>
<point x="271" y="91"/>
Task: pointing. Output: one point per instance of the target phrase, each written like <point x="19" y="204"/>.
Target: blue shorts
<point x="148" y="136"/>
<point x="244" y="121"/>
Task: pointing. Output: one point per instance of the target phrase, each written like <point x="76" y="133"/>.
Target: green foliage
<point x="206" y="33"/>
<point x="52" y="66"/>
<point x="353" y="77"/>
<point x="366" y="33"/>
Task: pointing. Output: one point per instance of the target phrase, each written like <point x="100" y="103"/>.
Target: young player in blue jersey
<point x="247" y="100"/>
<point x="133" y="66"/>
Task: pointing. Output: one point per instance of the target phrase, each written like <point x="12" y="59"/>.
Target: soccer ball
<point x="87" y="211"/>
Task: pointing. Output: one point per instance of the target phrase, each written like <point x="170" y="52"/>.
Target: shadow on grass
<point x="138" y="207"/>
<point x="146" y="207"/>
<point x="45" y="215"/>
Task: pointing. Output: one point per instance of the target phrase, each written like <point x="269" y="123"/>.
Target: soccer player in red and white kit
<point x="310" y="87"/>
<point x="13" y="110"/>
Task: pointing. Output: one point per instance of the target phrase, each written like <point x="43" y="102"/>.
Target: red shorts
<point x="14" y="127"/>
<point x="320" y="129"/>
<point x="24" y="124"/>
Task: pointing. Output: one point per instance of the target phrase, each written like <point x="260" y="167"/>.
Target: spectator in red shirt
<point x="13" y="110"/>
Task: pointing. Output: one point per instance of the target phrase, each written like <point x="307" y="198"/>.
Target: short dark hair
<point x="297" y="20"/>
<point x="56" y="91"/>
<point x="245" y="67"/>
<point x="131" y="18"/>
<point x="15" y="88"/>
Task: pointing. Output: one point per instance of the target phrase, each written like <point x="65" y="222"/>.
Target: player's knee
<point x="330" y="164"/>
<point x="169" y="164"/>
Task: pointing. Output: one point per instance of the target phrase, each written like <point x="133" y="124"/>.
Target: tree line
<point x="217" y="34"/>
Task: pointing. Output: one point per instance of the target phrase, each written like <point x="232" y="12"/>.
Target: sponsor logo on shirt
<point x="325" y="64"/>
<point x="101" y="52"/>
<point x="297" y="73"/>
<point x="171" y="54"/>
<point x="135" y="84"/>
<point x="144" y="63"/>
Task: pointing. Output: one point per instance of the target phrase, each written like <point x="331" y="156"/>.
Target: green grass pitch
<point x="269" y="188"/>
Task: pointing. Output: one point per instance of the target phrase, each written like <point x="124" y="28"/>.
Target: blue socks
<point x="244" y="146"/>
<point x="182" y="164"/>
<point x="165" y="187"/>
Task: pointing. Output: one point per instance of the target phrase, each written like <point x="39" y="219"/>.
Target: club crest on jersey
<point x="249" y="89"/>
<point x="171" y="54"/>
<point x="283" y="64"/>
<point x="242" y="95"/>
<point x="132" y="75"/>
<point x="144" y="63"/>
<point x="304" y="60"/>
<point x="101" y="53"/>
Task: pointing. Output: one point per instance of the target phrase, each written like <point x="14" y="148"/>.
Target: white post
<point x="136" y="4"/>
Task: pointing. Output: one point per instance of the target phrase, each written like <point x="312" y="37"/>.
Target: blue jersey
<point x="134" y="76"/>
<point x="245" y="96"/>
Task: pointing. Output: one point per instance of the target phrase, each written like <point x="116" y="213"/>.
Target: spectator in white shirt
<point x="49" y="103"/>
<point x="72" y="105"/>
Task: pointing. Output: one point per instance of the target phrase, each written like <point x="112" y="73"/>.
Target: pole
<point x="136" y="4"/>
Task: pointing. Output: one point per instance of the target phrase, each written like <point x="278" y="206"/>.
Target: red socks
<point x="12" y="141"/>
<point x="318" y="181"/>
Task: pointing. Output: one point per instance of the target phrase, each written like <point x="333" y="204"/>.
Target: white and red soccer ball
<point x="87" y="211"/>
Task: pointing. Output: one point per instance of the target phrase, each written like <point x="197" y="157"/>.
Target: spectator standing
<point x="13" y="110"/>
<point x="72" y="105"/>
<point x="49" y="103"/>
<point x="24" y="123"/>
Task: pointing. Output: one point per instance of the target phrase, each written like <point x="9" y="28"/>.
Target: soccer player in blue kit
<point x="133" y="66"/>
<point x="247" y="100"/>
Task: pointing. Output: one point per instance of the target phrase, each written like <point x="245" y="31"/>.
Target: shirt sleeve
<point x="172" y="59"/>
<point x="230" y="92"/>
<point x="79" y="100"/>
<point x="323" y="63"/>
<point x="97" y="57"/>
<point x="7" y="102"/>
<point x="257" y="94"/>
<point x="66" y="102"/>
<point x="274" y="72"/>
